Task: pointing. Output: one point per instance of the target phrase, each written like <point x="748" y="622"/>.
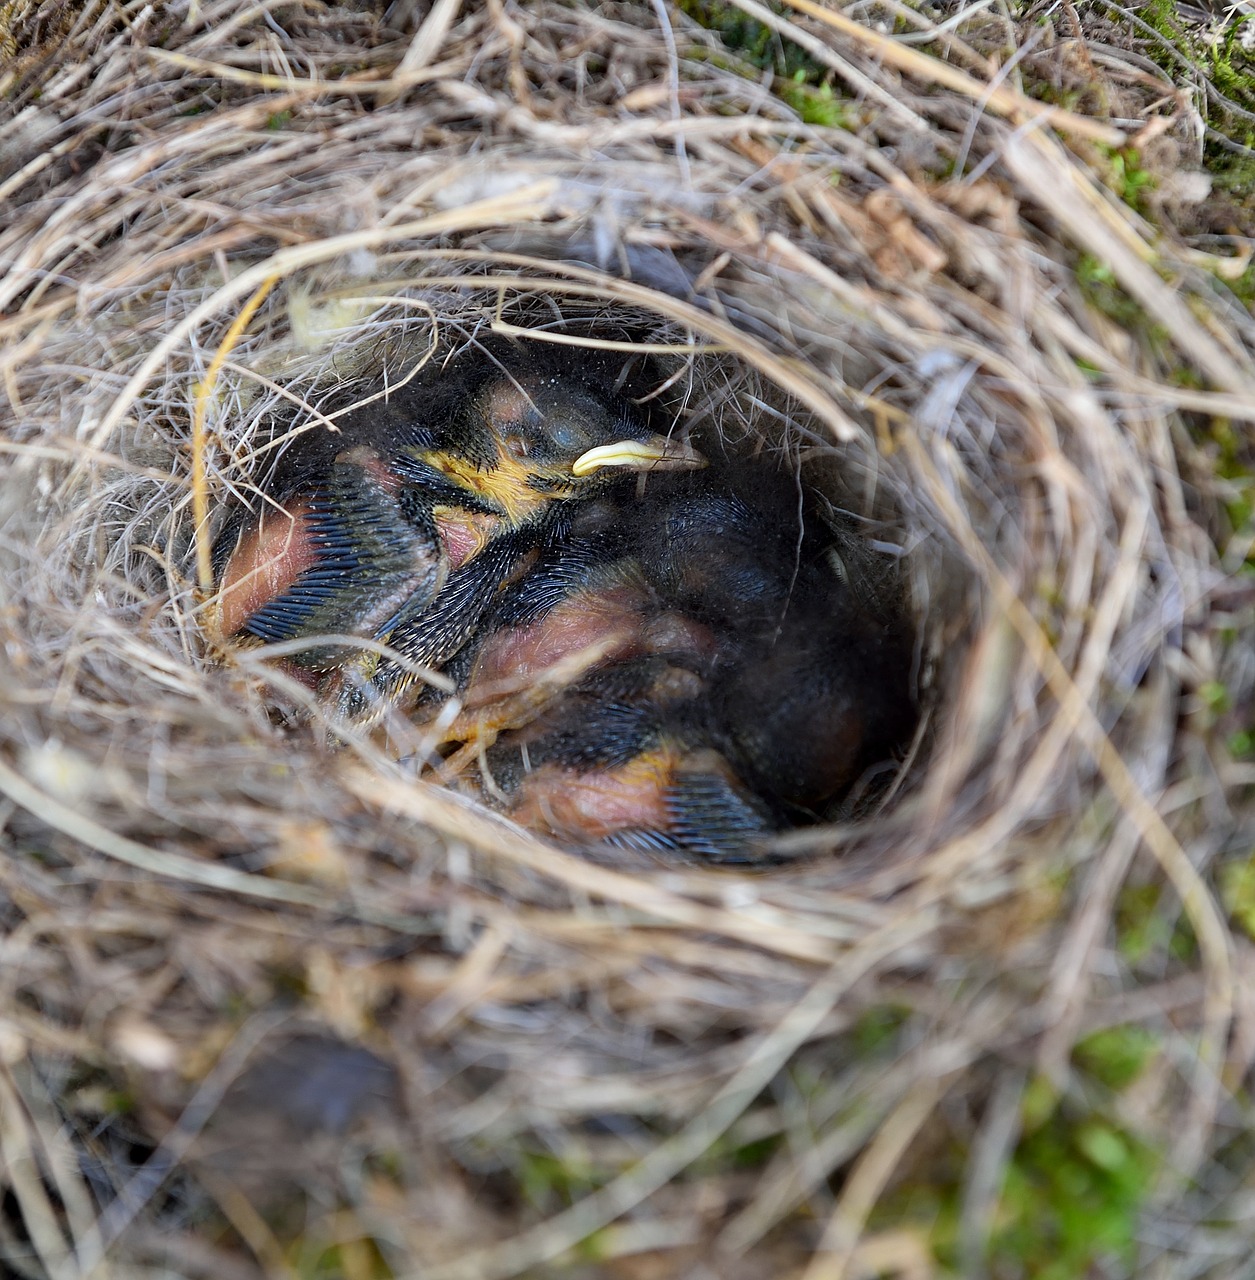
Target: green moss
<point x="1240" y="512"/>
<point x="754" y="41"/>
<point x="1038" y="1104"/>
<point x="1073" y="1190"/>
<point x="1233" y="460"/>
<point x="1072" y="1199"/>
<point x="1215" y="696"/>
<point x="1116" y="1056"/>
<point x="1128" y="179"/>
<point x="1141" y="930"/>
<point x="734" y="1150"/>
<point x="1177" y="46"/>
<point x="288" y="984"/>
<point x="360" y="1259"/>
<point x="1183" y="376"/>
<point x="598" y="1247"/>
<point x="1235" y="178"/>
<point x="1183" y="942"/>
<point x="1233" y="447"/>
<point x="1151" y="927"/>
<point x="798" y="80"/>
<point x="1231" y="78"/>
<point x="384" y="1162"/>
<point x="1102" y="290"/>
<point x="934" y="1211"/>
<point x="815" y="105"/>
<point x="752" y="1155"/>
<point x="878" y="1027"/>
<point x="1237" y="892"/>
<point x="1069" y="99"/>
<point x="551" y="1182"/>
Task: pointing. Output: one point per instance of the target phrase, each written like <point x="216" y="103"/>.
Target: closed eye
<point x="568" y="438"/>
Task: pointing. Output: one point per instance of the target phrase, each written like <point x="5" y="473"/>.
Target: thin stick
<point x="204" y="389"/>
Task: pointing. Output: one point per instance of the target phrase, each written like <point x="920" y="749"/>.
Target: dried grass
<point x="226" y="217"/>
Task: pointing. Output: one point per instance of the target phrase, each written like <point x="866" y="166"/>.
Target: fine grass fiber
<point x="272" y="1006"/>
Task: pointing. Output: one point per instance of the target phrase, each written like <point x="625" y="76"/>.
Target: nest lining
<point x="932" y="336"/>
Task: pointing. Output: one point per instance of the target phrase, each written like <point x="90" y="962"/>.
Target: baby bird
<point x="686" y="663"/>
<point x="506" y="478"/>
<point x="747" y="679"/>
<point x="439" y="499"/>
<point x="340" y="557"/>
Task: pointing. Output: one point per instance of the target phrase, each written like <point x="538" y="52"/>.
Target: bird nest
<point x="272" y="1005"/>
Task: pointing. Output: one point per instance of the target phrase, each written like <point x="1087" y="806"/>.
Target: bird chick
<point x="750" y="670"/>
<point x="411" y="534"/>
<point x="522" y="443"/>
<point x="617" y="761"/>
<point x="811" y="682"/>
<point x="500" y="481"/>
<point x="339" y="558"/>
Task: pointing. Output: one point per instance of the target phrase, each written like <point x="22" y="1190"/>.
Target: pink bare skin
<point x="591" y="806"/>
<point x="617" y="619"/>
<point x="269" y="557"/>
<point x="266" y="561"/>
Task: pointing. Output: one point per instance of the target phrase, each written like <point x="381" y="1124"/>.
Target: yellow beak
<point x="654" y="453"/>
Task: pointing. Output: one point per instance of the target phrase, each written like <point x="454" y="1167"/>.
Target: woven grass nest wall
<point x="273" y="1007"/>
